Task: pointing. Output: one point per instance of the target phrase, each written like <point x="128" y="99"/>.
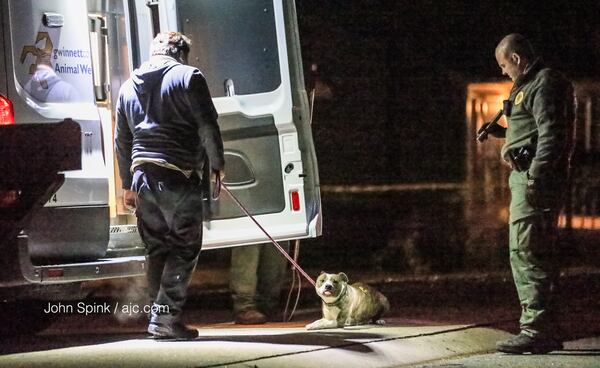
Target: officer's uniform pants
<point x="533" y="259"/>
<point x="169" y="212"/>
<point x="256" y="276"/>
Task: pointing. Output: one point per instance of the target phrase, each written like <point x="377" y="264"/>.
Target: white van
<point x="68" y="59"/>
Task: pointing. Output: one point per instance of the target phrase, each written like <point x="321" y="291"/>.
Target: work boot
<point x="523" y="343"/>
<point x="167" y="327"/>
<point x="250" y="316"/>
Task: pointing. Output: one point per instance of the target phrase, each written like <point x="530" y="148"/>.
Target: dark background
<point x="399" y="72"/>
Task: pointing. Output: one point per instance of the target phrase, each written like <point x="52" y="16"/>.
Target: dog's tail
<point x="385" y="303"/>
<point x="384" y="307"/>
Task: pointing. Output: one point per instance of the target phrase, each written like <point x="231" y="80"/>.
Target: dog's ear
<point x="343" y="276"/>
<point x="322" y="272"/>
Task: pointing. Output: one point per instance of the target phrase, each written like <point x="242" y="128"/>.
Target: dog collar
<point x="339" y="298"/>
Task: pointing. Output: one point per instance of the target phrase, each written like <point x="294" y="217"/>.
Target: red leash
<point x="285" y="254"/>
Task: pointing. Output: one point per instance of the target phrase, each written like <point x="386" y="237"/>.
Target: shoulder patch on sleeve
<point x="519" y="97"/>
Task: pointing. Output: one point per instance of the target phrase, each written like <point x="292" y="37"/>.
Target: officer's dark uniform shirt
<point x="171" y="119"/>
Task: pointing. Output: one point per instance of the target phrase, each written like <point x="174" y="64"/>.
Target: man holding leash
<point x="166" y="131"/>
<point x="540" y="114"/>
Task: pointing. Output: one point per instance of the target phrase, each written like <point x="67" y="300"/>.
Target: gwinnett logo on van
<point x="47" y="52"/>
<point x="70" y="53"/>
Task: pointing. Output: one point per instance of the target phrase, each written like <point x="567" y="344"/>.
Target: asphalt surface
<point x="583" y="353"/>
<point x="286" y="345"/>
<point x="436" y="321"/>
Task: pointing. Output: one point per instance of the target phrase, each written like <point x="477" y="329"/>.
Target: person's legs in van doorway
<point x="256" y="276"/>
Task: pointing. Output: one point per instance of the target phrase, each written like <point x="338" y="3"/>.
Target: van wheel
<point x="23" y="317"/>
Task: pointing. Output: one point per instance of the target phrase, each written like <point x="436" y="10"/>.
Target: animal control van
<point x="66" y="59"/>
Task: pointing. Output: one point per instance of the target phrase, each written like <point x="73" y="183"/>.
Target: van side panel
<point x="48" y="78"/>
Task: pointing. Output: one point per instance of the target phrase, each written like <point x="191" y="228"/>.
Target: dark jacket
<point x="165" y="111"/>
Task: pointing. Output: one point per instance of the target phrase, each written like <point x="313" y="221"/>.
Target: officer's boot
<point x="523" y="343"/>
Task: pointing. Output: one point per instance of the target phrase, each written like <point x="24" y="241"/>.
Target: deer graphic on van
<point x="42" y="56"/>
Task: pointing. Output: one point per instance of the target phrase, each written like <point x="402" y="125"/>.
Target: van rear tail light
<point x="7" y="115"/>
<point x="295" y="201"/>
<point x="55" y="272"/>
<point x="9" y="198"/>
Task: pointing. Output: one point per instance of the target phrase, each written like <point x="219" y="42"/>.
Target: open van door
<point x="249" y="53"/>
<point x="67" y="59"/>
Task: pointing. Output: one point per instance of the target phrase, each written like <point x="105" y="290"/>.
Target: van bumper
<point x="18" y="269"/>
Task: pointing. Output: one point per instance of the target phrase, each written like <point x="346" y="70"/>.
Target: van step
<point x="123" y="229"/>
<point x="124" y="237"/>
<point x="124" y="252"/>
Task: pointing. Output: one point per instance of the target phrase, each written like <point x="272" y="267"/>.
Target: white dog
<point x="345" y="304"/>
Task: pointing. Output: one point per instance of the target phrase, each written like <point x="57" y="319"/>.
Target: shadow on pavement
<point x="338" y="340"/>
<point x="322" y="340"/>
<point x="35" y="343"/>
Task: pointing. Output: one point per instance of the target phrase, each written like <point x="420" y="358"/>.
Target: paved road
<point x="77" y="341"/>
<point x="582" y="353"/>
<point x="452" y="322"/>
<point x="409" y="341"/>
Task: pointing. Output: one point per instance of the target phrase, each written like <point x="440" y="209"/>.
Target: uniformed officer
<point x="540" y="114"/>
<point x="166" y="131"/>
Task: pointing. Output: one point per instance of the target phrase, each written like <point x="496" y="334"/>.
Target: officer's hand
<point x="129" y="199"/>
<point x="493" y="129"/>
<point x="538" y="196"/>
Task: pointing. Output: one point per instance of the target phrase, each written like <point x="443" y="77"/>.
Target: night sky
<point x="399" y="72"/>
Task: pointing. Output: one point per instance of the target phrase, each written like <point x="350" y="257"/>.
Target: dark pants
<point x="534" y="263"/>
<point x="534" y="256"/>
<point x="169" y="212"/>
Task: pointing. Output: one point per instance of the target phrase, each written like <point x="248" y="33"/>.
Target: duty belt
<point x="520" y="158"/>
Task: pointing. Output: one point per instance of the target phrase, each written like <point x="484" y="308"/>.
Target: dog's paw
<point x="350" y="322"/>
<point x="312" y="326"/>
<point x="317" y="325"/>
<point x="380" y="322"/>
<point x="321" y="324"/>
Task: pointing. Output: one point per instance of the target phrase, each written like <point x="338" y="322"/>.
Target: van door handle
<point x="99" y="53"/>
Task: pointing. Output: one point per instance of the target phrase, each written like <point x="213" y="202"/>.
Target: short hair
<point x="518" y="44"/>
<point x="170" y="44"/>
